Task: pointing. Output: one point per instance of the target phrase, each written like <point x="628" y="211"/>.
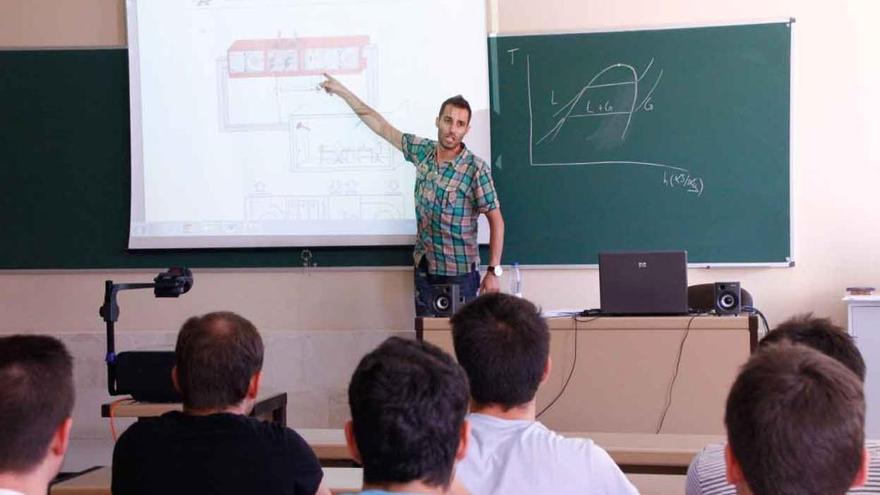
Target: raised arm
<point x="374" y="121"/>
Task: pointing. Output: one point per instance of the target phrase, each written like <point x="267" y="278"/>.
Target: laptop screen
<point x="643" y="283"/>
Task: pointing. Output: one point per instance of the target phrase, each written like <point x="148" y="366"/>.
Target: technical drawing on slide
<point x="264" y="206"/>
<point x="271" y="85"/>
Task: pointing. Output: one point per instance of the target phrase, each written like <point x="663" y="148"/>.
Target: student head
<point x="408" y="401"/>
<point x="503" y="344"/>
<point x="218" y="361"/>
<point x="822" y="335"/>
<point x="795" y="424"/>
<point x="36" y="401"/>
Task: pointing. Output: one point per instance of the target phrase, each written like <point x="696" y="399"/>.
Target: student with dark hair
<point x="820" y="334"/>
<point x="503" y="344"/>
<point x="408" y="402"/>
<point x="36" y="401"/>
<point x="795" y="424"/>
<point x="707" y="471"/>
<point x="212" y="446"/>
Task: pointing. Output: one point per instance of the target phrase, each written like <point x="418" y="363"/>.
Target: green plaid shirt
<point x="449" y="198"/>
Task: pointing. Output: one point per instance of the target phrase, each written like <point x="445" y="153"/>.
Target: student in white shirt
<point x="36" y="401"/>
<point x="503" y="344"/>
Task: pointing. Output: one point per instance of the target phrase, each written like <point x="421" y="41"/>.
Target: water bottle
<point x="516" y="281"/>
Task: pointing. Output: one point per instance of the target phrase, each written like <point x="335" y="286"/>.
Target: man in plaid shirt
<point x="453" y="186"/>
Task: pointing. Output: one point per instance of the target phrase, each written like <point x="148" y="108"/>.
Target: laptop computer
<point x="643" y="283"/>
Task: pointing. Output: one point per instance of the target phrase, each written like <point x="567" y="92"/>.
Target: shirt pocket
<point x="456" y="208"/>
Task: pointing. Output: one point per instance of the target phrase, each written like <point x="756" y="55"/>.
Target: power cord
<point x="113" y="406"/>
<point x="573" y="363"/>
<point x="753" y="310"/>
<point x="671" y="387"/>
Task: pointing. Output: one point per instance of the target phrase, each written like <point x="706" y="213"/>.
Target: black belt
<point x="423" y="266"/>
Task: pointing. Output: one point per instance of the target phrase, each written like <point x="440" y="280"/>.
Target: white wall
<point x="835" y="170"/>
<point x="835" y="173"/>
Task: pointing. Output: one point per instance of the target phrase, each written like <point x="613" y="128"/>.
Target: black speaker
<point x="445" y="299"/>
<point x="728" y="298"/>
<point x="702" y="298"/>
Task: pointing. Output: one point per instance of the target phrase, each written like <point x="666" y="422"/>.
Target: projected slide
<point x="233" y="143"/>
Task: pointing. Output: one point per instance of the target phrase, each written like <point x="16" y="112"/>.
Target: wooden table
<point x="269" y="406"/>
<point x="666" y="453"/>
<point x="632" y="451"/>
<point x="349" y="480"/>
<point x="664" y="374"/>
<point x="327" y="443"/>
<point x="659" y="484"/>
<point x="97" y="482"/>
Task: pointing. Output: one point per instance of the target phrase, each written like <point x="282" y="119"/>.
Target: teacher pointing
<point x="453" y="186"/>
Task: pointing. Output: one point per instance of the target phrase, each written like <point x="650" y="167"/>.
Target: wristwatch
<point x="495" y="270"/>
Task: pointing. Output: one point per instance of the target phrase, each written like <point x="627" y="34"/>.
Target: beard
<point x="446" y="140"/>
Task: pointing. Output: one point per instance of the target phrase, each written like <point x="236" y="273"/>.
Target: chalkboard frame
<point x="535" y="253"/>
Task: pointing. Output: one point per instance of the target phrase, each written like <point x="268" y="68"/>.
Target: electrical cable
<point x="573" y="363"/>
<point x="754" y="310"/>
<point x="671" y="387"/>
<point x="113" y="406"/>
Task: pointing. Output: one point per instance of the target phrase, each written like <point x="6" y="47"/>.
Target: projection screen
<point x="234" y="145"/>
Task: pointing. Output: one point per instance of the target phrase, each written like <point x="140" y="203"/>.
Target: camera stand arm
<point x="109" y="311"/>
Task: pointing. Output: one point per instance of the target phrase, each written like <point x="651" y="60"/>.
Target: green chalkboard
<point x="644" y="140"/>
<point x="65" y="187"/>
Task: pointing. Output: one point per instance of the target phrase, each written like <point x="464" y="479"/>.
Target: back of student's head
<point x="36" y="397"/>
<point x="408" y="401"/>
<point x="216" y="356"/>
<point x="822" y="335"/>
<point x="795" y="422"/>
<point x="503" y="343"/>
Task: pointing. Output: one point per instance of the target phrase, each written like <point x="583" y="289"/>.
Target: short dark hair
<point x="795" y="422"/>
<point x="457" y="101"/>
<point x="408" y="401"/>
<point x="822" y="335"/>
<point x="503" y="344"/>
<point x="36" y="396"/>
<point x="216" y="356"/>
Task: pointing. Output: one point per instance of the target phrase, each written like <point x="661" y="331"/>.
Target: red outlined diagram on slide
<point x="291" y="57"/>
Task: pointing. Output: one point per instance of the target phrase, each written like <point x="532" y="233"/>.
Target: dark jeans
<point x="468" y="284"/>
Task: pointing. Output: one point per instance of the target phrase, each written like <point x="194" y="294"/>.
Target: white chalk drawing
<point x="610" y="101"/>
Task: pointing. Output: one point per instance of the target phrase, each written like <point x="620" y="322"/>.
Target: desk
<point x="97" y="482"/>
<point x="350" y="480"/>
<point x="659" y="484"/>
<point x="270" y="406"/>
<point x="650" y="452"/>
<point x="633" y="451"/>
<point x="622" y="369"/>
<point x="327" y="443"/>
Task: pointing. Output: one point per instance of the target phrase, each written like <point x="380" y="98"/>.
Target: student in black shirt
<point x="213" y="446"/>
